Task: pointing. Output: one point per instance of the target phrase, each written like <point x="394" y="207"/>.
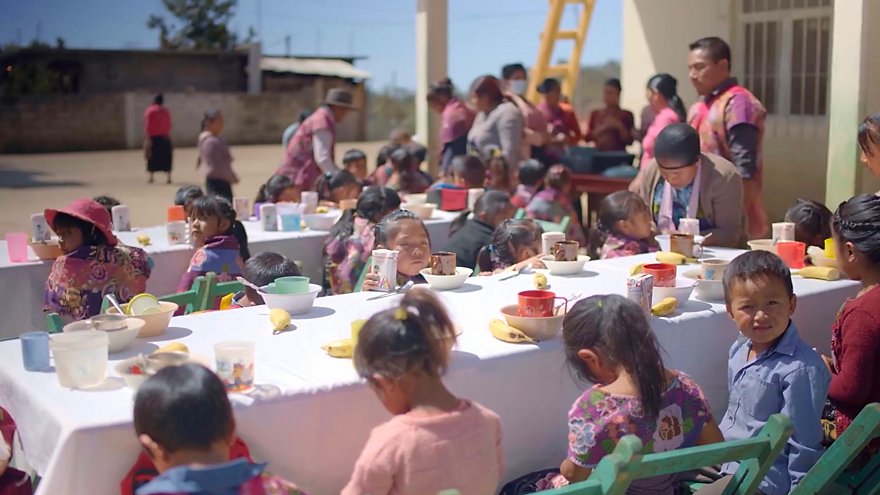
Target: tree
<point x="204" y="25"/>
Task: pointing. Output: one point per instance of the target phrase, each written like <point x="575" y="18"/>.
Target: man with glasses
<point x="683" y="182"/>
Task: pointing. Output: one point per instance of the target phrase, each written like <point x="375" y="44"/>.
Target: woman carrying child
<point x="93" y="264"/>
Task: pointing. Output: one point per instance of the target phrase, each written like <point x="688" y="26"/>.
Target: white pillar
<point x="430" y="67"/>
<point x="846" y="105"/>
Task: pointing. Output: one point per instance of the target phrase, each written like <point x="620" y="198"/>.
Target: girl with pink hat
<point x="93" y="263"/>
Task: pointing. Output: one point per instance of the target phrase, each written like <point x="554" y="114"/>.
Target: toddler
<point x="261" y="270"/>
<point x="812" y="222"/>
<point x="471" y="231"/>
<point x="625" y="227"/>
<point x="334" y="187"/>
<point x="355" y="161"/>
<point x="185" y="197"/>
<point x="531" y="176"/>
<point x="278" y="189"/>
<point x="222" y="241"/>
<point x="554" y="202"/>
<point x="515" y="243"/>
<point x="404" y="232"/>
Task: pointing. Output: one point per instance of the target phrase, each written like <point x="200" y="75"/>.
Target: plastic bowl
<point x="292" y="303"/>
<point x="124" y="369"/>
<point x="681" y="292"/>
<point x="706" y="290"/>
<point x="822" y="260"/>
<point x="544" y="328"/>
<point x="321" y="221"/>
<point x="80" y="357"/>
<point x="447" y="282"/>
<point x="423" y="211"/>
<point x="154" y="323"/>
<point x="762" y="245"/>
<point x="117" y="339"/>
<point x="416" y="199"/>
<point x="565" y="267"/>
<point x="46" y="250"/>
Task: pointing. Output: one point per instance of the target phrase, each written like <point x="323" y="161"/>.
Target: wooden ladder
<point x="567" y="73"/>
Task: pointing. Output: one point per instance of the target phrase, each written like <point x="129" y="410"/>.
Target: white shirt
<point x="322" y="144"/>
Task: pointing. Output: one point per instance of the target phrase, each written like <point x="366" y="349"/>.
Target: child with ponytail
<point x="624" y="228"/>
<point x="435" y="441"/>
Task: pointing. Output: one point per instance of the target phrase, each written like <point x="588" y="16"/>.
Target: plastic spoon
<point x="115" y="303"/>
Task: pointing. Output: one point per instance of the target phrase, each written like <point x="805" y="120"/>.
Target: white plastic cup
<point x="309" y="200"/>
<point x="549" y="240"/>
<point x="80" y="357"/>
<point x="242" y="208"/>
<point x="472" y="197"/>
<point x="121" y="218"/>
<point x="268" y="217"/>
<point x="783" y="231"/>
<point x="176" y="231"/>
<point x="235" y="364"/>
<point x="689" y="226"/>
<point x="39" y="228"/>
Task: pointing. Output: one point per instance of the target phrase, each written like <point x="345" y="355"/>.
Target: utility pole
<point x="260" y="19"/>
<point x="39" y="30"/>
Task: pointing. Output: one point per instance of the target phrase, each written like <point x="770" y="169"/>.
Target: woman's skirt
<point x="158" y="154"/>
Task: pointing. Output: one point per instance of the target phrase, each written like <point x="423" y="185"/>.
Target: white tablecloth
<point x="83" y="442"/>
<point x="22" y="284"/>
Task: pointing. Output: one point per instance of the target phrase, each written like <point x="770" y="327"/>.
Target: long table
<point x="315" y="425"/>
<point x="22" y="284"/>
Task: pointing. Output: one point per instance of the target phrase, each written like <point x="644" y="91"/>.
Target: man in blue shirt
<point x="770" y="369"/>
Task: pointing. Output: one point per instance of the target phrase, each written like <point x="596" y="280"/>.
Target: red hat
<point x="89" y="211"/>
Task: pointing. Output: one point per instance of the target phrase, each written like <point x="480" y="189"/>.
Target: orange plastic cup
<point x="176" y="214"/>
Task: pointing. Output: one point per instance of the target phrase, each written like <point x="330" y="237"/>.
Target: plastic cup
<point x="292" y="285"/>
<point x="80" y="357"/>
<point x="176" y="232"/>
<point x="830" y="251"/>
<point x="792" y="253"/>
<point x="235" y="364"/>
<point x="17" y="245"/>
<point x="35" y="350"/>
<point x="176" y="213"/>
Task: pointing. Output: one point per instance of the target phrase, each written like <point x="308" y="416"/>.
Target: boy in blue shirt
<point x="184" y="421"/>
<point x="770" y="369"/>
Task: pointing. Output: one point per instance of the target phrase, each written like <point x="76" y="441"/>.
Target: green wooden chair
<point x="755" y="456"/>
<point x="215" y="290"/>
<point x="54" y="323"/>
<point x="363" y="275"/>
<point x="191" y="300"/>
<point x="604" y="479"/>
<point x="562" y="226"/>
<point x="519" y="214"/>
<point x="830" y="475"/>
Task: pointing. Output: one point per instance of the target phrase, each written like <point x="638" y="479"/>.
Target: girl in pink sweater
<point x="435" y="441"/>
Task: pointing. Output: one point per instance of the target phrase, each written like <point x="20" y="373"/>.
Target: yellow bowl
<point x="46" y="250"/>
<point x="155" y="323"/>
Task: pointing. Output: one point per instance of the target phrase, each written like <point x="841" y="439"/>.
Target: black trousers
<point x="219" y="187"/>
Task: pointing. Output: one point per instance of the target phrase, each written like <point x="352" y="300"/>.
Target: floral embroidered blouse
<point x="346" y="257"/>
<point x="80" y="279"/>
<point x="619" y="245"/>
<point x="598" y="419"/>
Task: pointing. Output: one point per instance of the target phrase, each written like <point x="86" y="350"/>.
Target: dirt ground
<point x="31" y="183"/>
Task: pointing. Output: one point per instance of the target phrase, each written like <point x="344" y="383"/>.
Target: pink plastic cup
<point x="17" y="245"/>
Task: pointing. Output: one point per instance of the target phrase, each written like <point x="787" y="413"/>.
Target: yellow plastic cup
<point x="829" y="248"/>
<point x="356" y="326"/>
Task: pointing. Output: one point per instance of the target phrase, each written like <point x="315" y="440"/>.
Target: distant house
<point x="102" y="95"/>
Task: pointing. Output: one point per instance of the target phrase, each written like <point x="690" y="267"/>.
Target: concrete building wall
<point x="115" y="121"/>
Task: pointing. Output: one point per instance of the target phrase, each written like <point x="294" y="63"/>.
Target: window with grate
<point x="786" y="50"/>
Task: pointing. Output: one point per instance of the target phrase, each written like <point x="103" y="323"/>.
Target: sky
<point x="483" y="34"/>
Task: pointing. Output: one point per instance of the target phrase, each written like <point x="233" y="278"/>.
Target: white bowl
<point x="681" y="292"/>
<point x="762" y="245"/>
<point x="155" y="323"/>
<point x="706" y="290"/>
<point x="423" y="211"/>
<point x="133" y="380"/>
<point x="416" y="199"/>
<point x="321" y="221"/>
<point x="292" y="303"/>
<point x="822" y="260"/>
<point x="117" y="340"/>
<point x="665" y="244"/>
<point x="565" y="267"/>
<point x="544" y="328"/>
<point x="447" y="282"/>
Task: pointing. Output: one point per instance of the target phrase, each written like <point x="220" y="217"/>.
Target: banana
<point x="173" y="347"/>
<point x="636" y="269"/>
<point x="540" y="281"/>
<point x="322" y="209"/>
<point x="664" y="307"/>
<point x="280" y="319"/>
<point x="671" y="258"/>
<point x="342" y="348"/>
<point x="144" y="240"/>
<point x="819" y="272"/>
<point x="503" y="331"/>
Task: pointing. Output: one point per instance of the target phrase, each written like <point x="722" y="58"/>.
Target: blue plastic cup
<point x="35" y="350"/>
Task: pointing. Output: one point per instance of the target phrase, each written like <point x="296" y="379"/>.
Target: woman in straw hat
<point x="310" y="151"/>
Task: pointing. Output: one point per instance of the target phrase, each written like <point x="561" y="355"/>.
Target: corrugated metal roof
<point x="319" y="67"/>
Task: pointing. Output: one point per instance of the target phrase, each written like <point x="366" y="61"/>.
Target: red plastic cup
<point x="176" y="213"/>
<point x="792" y="253"/>
<point x="664" y="274"/>
<point x="537" y="303"/>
